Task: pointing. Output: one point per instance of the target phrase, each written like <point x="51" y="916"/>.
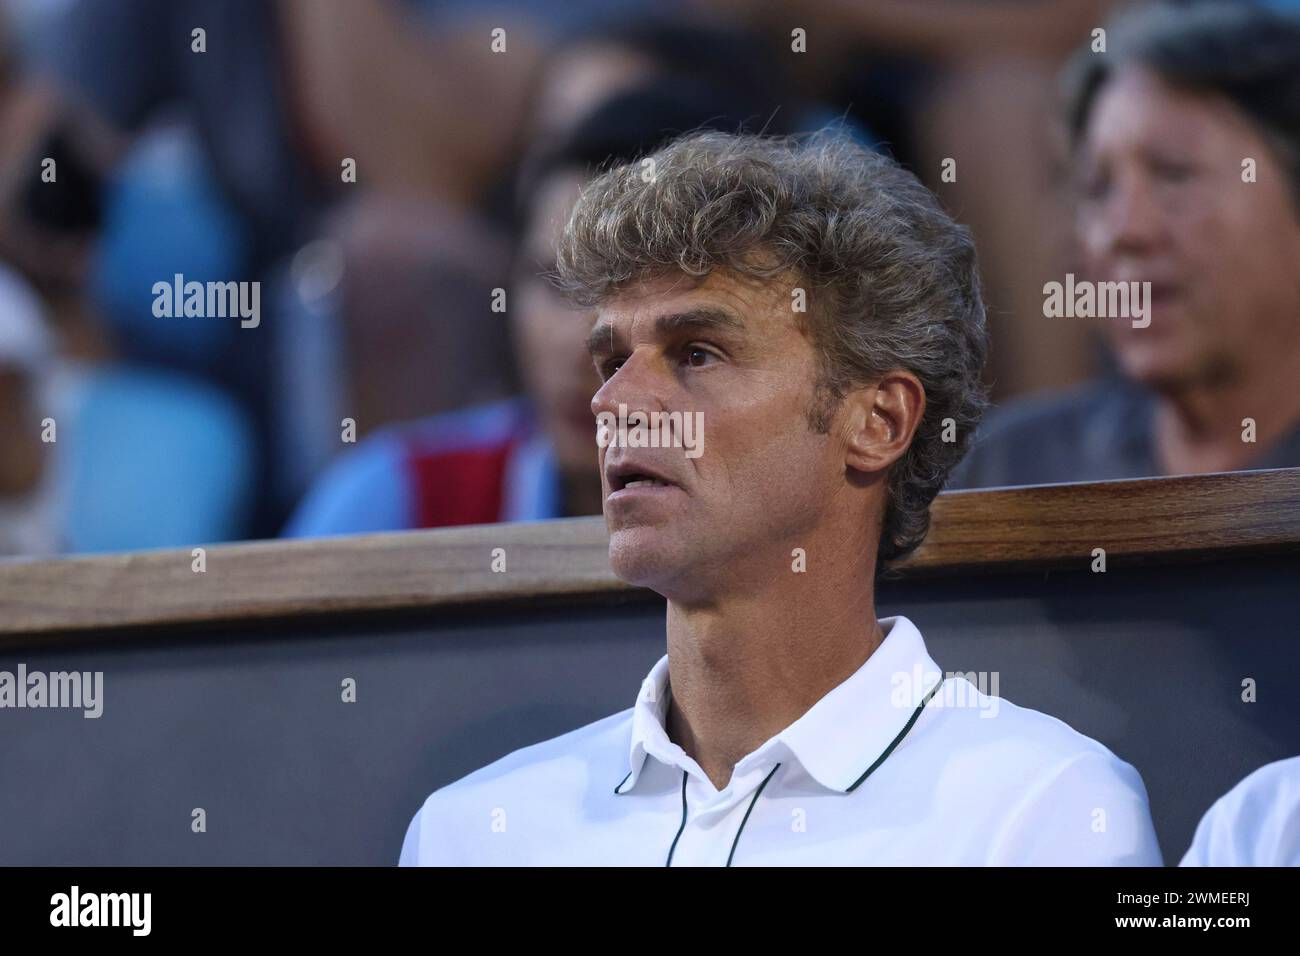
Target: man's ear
<point x="880" y="420"/>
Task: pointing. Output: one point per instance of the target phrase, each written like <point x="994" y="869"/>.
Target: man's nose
<point x="1134" y="219"/>
<point x="636" y="386"/>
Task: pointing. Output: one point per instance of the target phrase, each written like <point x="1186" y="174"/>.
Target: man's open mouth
<point x="635" y="482"/>
<point x="622" y="477"/>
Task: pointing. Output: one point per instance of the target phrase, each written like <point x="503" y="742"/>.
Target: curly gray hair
<point x="891" y="279"/>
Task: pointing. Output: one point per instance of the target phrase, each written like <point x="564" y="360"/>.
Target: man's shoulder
<point x="1078" y="403"/>
<point x="1044" y="792"/>
<point x="473" y="426"/>
<point x="525" y="791"/>
<point x="574" y="760"/>
<point x="1256" y="823"/>
<point x="1022" y="742"/>
<point x="1082" y="433"/>
<point x="1273" y="784"/>
<point x="380" y="485"/>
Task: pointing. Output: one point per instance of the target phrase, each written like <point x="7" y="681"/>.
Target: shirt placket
<point x="714" y="820"/>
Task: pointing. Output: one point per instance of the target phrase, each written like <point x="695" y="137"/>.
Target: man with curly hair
<point x="812" y="306"/>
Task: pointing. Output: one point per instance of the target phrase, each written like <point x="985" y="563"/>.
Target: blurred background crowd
<point x="394" y="174"/>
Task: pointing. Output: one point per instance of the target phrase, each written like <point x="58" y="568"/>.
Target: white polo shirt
<point x="1256" y="823"/>
<point x="895" y="766"/>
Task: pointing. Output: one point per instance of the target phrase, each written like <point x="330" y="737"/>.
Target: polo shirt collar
<point x="843" y="737"/>
<point x="649" y="736"/>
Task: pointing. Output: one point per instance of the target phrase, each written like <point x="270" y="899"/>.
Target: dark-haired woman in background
<point x="1186" y="135"/>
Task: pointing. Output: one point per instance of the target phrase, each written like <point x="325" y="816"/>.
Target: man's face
<point x="727" y="348"/>
<point x="550" y="335"/>
<point x="1163" y="200"/>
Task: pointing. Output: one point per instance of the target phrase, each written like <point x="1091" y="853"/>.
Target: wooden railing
<point x="1160" y="520"/>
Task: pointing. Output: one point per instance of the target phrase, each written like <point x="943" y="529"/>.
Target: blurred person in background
<point x="99" y="456"/>
<point x="29" y="516"/>
<point x="221" y="153"/>
<point x="169" y="161"/>
<point x="532" y="457"/>
<point x="1162" y="126"/>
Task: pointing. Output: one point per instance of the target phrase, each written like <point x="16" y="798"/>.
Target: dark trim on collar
<point x="879" y="760"/>
<point x="899" y="739"/>
<point x="623" y="781"/>
<point x="673" y="848"/>
<point x="736" y="842"/>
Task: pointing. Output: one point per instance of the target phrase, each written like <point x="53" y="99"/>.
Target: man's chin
<point x="1170" y="370"/>
<point x="643" y="556"/>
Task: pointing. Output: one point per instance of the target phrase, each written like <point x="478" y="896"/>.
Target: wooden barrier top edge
<point x="1150" y="520"/>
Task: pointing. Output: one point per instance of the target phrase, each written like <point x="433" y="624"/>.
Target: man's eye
<point x="609" y="367"/>
<point x="1172" y="172"/>
<point x="1094" y="187"/>
<point x="697" y="356"/>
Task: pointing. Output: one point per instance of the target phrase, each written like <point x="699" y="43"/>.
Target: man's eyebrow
<point x="703" y="319"/>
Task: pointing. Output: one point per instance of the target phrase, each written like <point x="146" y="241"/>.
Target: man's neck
<point x="747" y="667"/>
<point x="1198" y="429"/>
